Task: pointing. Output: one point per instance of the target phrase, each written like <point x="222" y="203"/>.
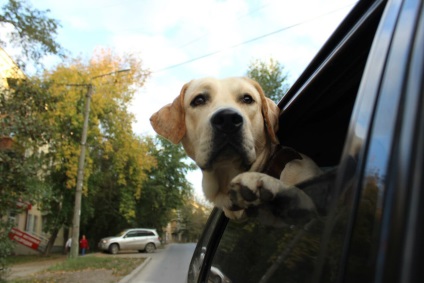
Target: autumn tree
<point x="30" y="30"/>
<point x="117" y="160"/>
<point x="271" y="76"/>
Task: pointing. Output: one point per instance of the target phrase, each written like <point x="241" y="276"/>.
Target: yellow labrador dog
<point x="227" y="126"/>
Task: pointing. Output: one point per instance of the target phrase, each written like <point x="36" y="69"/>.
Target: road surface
<point x="167" y="265"/>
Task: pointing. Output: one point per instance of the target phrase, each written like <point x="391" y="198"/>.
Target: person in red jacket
<point x="84" y="245"/>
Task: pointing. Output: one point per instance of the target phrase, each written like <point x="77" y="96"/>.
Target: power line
<point x="249" y="40"/>
<point x="253" y="11"/>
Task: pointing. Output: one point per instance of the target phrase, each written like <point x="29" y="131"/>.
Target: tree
<point x="111" y="203"/>
<point x="117" y="161"/>
<point x="31" y="30"/>
<point x="270" y="75"/>
<point x="166" y="188"/>
<point x="24" y="134"/>
<point x="194" y="215"/>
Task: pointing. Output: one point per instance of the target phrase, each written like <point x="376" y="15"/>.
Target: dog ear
<point x="270" y="112"/>
<point x="169" y="121"/>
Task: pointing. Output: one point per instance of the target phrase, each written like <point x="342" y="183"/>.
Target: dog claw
<point x="247" y="194"/>
<point x="265" y="195"/>
<point x="261" y="195"/>
<point x="235" y="208"/>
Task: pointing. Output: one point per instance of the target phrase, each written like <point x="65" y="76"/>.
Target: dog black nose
<point x="227" y="121"/>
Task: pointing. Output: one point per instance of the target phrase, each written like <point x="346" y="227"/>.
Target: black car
<point x="357" y="109"/>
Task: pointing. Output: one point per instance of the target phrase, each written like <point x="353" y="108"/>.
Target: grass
<point x="19" y="259"/>
<point x="119" y="267"/>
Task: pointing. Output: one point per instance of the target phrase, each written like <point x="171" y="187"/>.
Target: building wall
<point x="8" y="68"/>
<point x="31" y="222"/>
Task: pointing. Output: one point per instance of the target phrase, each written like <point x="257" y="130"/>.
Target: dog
<point x="228" y="127"/>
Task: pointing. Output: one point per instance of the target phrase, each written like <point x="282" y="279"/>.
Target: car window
<point x="250" y="252"/>
<point x="131" y="234"/>
<point x="145" y="233"/>
<point x="205" y="246"/>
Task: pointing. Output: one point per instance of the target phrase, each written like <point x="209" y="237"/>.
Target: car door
<point x="383" y="135"/>
<point x="129" y="240"/>
<point x="383" y="245"/>
<point x="386" y="115"/>
<point x="142" y="239"/>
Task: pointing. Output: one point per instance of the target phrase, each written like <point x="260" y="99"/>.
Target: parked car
<point x="140" y="239"/>
<point x="358" y="108"/>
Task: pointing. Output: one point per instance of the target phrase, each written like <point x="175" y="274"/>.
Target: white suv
<point x="140" y="239"/>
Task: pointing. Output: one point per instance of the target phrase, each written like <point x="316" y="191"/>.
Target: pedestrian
<point x="68" y="246"/>
<point x="84" y="245"/>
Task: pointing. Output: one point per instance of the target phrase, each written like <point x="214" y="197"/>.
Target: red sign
<point x="24" y="238"/>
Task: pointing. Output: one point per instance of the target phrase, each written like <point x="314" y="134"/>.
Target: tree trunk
<point x="51" y="241"/>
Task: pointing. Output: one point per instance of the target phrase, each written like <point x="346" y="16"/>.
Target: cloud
<point x="167" y="33"/>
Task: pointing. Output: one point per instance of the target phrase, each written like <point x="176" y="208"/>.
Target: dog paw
<point x="264" y="196"/>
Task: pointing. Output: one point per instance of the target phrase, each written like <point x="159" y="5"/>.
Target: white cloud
<point x="168" y="32"/>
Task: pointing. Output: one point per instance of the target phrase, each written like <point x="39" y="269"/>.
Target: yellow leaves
<point x="107" y="149"/>
<point x="111" y="144"/>
<point x="130" y="214"/>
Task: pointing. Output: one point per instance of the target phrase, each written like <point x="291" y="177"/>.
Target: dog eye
<point x="247" y="99"/>
<point x="198" y="100"/>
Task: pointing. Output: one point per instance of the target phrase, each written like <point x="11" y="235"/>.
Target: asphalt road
<point x="167" y="265"/>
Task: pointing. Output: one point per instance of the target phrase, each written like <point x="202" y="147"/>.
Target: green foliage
<point x="166" y="188"/>
<point x="194" y="215"/>
<point x="33" y="31"/>
<point x="23" y="135"/>
<point x="6" y="246"/>
<point x="270" y="75"/>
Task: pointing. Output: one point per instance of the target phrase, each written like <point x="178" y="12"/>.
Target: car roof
<point x="145" y="229"/>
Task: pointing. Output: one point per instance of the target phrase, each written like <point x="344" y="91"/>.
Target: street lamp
<point x="81" y="162"/>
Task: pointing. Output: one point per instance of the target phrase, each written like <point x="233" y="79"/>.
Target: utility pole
<point x="81" y="162"/>
<point x="80" y="177"/>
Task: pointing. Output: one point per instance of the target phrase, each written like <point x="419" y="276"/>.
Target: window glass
<point x="145" y="233"/>
<point x="250" y="252"/>
<point x="132" y="234"/>
<point x="204" y="245"/>
<point x="375" y="197"/>
<point x="13" y="217"/>
<point x="31" y="225"/>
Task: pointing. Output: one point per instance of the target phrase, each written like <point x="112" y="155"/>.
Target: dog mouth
<point x="227" y="150"/>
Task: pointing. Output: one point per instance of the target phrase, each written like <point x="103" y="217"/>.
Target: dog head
<point x="218" y="121"/>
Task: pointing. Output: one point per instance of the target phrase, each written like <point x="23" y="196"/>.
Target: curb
<point x="133" y="273"/>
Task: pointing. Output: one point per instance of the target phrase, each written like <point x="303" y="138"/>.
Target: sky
<point x="187" y="39"/>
